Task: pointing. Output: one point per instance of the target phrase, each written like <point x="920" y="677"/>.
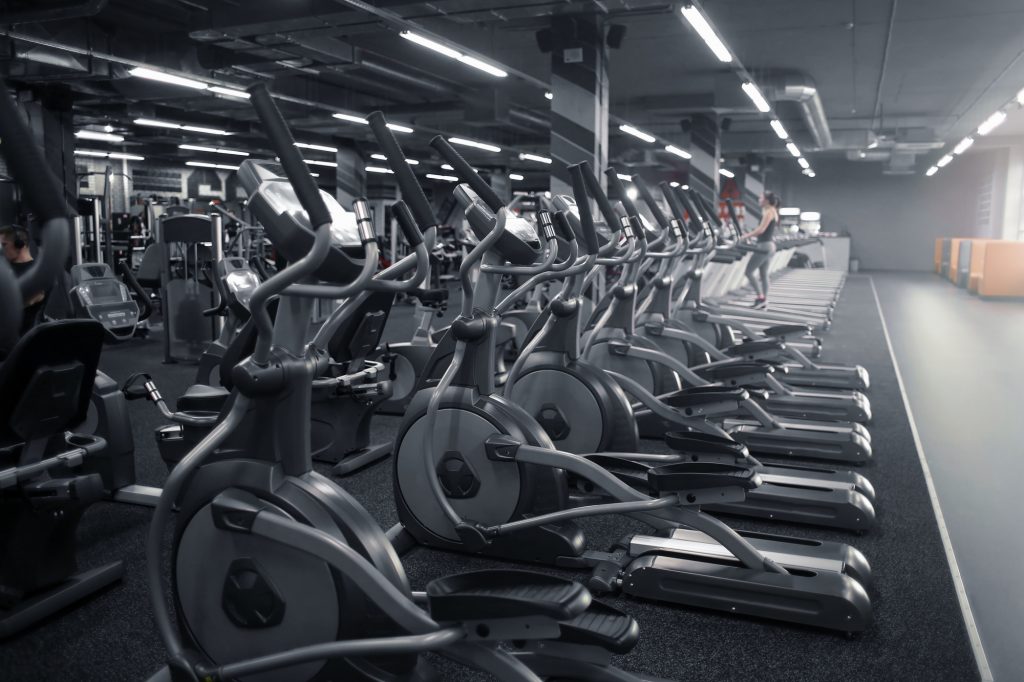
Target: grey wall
<point x="893" y="220"/>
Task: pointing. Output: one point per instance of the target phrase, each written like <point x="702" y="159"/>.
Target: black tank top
<point x="769" y="232"/>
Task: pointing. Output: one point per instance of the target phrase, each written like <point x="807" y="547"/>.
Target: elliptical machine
<point x="476" y="473"/>
<point x="277" y="571"/>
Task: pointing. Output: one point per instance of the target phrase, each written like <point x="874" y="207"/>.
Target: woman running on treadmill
<point x="760" y="259"/>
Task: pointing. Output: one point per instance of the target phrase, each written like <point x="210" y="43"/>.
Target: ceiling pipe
<point x="800" y="88"/>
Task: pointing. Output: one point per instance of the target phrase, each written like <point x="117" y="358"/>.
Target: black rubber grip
<point x="596" y="191"/>
<point x="467" y="174"/>
<point x="616" y="184"/>
<point x="564" y="226"/>
<point x="709" y="211"/>
<point x="407" y="222"/>
<point x="579" y="190"/>
<point x="412" y="192"/>
<point x="675" y="206"/>
<point x="27" y="164"/>
<point x="695" y="215"/>
<point x="652" y="204"/>
<point x="294" y="167"/>
<point x="735" y="220"/>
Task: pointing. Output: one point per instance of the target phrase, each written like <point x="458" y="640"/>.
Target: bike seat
<point x="787" y="330"/>
<point x="733" y="370"/>
<point x="491" y="594"/>
<point x="704" y="443"/>
<point x="202" y="398"/>
<point x="692" y="476"/>
<point x="603" y="626"/>
<point x="759" y="346"/>
<point x="699" y="396"/>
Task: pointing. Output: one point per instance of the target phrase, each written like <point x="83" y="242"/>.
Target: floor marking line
<point x="954" y="568"/>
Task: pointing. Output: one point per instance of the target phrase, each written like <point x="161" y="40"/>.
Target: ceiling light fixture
<point x="534" y="157"/>
<point x="623" y="176"/>
<point x="756" y="97"/>
<point x="378" y="169"/>
<point x="789" y="211"/>
<point x="109" y="155"/>
<point x="317" y="147"/>
<point x="992" y="122"/>
<point x="446" y="178"/>
<point x="205" y="131"/>
<point x="326" y="164"/>
<point x="154" y="75"/>
<point x="963" y="145"/>
<point x="630" y="130"/>
<point x="451" y="53"/>
<point x="351" y="119"/>
<point x="95" y="135"/>
<point x="931" y="171"/>
<point x="381" y="157"/>
<point x="682" y="153"/>
<point x="213" y="150"/>
<point x="673" y="184"/>
<point x="516" y="176"/>
<point x="804" y="163"/>
<point x="473" y="143"/>
<point x="793" y="149"/>
<point x="154" y="123"/>
<point x="229" y="92"/>
<point x="704" y="30"/>
<point x="204" y="164"/>
<point x="944" y="161"/>
<point x="549" y="95"/>
<point x="726" y="173"/>
<point x="776" y="125"/>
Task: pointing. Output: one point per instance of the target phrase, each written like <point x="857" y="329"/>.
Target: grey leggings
<point x="759" y="261"/>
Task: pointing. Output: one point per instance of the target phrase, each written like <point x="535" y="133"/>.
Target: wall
<point x="893" y="220"/>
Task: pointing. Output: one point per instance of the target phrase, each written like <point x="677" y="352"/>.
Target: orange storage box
<point x="1001" y="271"/>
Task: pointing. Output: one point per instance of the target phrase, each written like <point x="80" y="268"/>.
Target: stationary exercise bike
<point x="277" y="571"/>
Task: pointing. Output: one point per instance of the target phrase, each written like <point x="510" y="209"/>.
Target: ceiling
<point x="918" y="74"/>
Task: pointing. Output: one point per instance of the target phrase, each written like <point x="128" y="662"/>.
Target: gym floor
<point x="919" y="631"/>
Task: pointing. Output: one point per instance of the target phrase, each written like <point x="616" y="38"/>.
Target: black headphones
<point x="20" y="238"/>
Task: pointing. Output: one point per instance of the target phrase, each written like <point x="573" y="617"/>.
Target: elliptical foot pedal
<point x="496" y="594"/>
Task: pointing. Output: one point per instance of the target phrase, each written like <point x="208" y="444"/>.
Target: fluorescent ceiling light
<point x="810" y="216"/>
<point x="756" y="97"/>
<point x="637" y="133"/>
<point x="213" y="150"/>
<point x="1020" y="97"/>
<point x="726" y="173"/>
<point x="776" y="125"/>
<point x="549" y="95"/>
<point x="229" y="92"/>
<point x="789" y="210"/>
<point x="381" y="157"/>
<point x="931" y="171"/>
<point x="204" y="164"/>
<point x="945" y="161"/>
<point x="327" y="164"/>
<point x="447" y="166"/>
<point x="431" y="44"/>
<point x="793" y="149"/>
<point x="95" y="135"/>
<point x="466" y="59"/>
<point x="623" y="176"/>
<point x="672" y="149"/>
<point x="809" y="173"/>
<point x="992" y="122"/>
<point x="317" y="147"/>
<point x="704" y="30"/>
<point x="89" y="152"/>
<point x="205" y="131"/>
<point x="352" y="119"/>
<point x="804" y="163"/>
<point x="153" y="75"/>
<point x="483" y="66"/>
<point x="154" y="123"/>
<point x="473" y="143"/>
<point x="109" y="155"/>
<point x="515" y="176"/>
<point x="315" y="175"/>
<point x="686" y="187"/>
<point x="378" y="169"/>
<point x="534" y="157"/>
<point x="398" y="128"/>
<point x="446" y="178"/>
<point x="963" y="145"/>
<point x="673" y="184"/>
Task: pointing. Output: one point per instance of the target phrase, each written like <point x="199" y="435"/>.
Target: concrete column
<point x="350" y="176"/>
<point x="1013" y="197"/>
<point x="704" y="144"/>
<point x="579" y="105"/>
<point x="50" y="118"/>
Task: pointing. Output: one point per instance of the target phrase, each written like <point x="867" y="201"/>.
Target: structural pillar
<point x="579" y="88"/>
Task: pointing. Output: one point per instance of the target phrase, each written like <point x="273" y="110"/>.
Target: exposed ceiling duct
<point x="800" y="88"/>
